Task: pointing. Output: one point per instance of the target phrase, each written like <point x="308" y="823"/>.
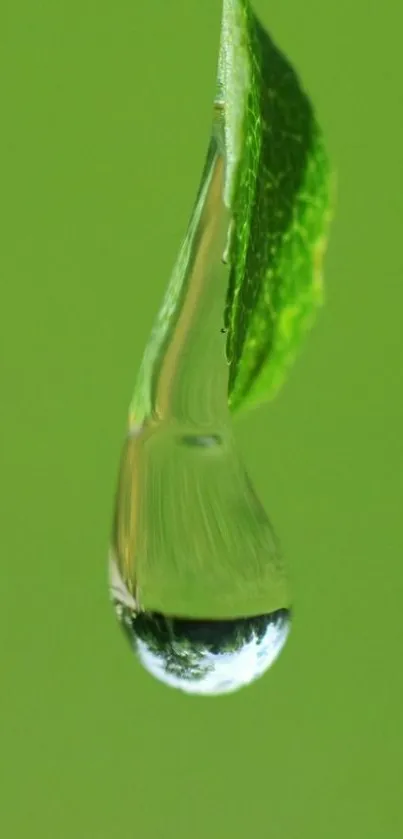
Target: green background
<point x="105" y="119"/>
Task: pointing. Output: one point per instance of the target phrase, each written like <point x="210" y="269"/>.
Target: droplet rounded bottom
<point x="207" y="657"/>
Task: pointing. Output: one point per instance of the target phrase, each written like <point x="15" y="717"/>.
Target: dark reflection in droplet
<point x="200" y="440"/>
<point x="216" y="635"/>
<point x="206" y="656"/>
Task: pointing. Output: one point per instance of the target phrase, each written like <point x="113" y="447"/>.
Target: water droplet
<point x="192" y="541"/>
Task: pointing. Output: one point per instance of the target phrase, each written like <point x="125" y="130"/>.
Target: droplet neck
<point x="184" y="373"/>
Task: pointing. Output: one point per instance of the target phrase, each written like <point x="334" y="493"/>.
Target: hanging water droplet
<point x="196" y="575"/>
<point x="194" y="560"/>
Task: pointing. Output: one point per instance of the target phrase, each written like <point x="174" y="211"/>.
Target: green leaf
<point x="279" y="190"/>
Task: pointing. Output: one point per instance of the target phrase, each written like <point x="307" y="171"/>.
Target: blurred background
<point x="105" y="120"/>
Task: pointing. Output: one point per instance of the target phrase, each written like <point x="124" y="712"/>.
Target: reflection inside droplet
<point x="206" y="657"/>
<point x="200" y="440"/>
